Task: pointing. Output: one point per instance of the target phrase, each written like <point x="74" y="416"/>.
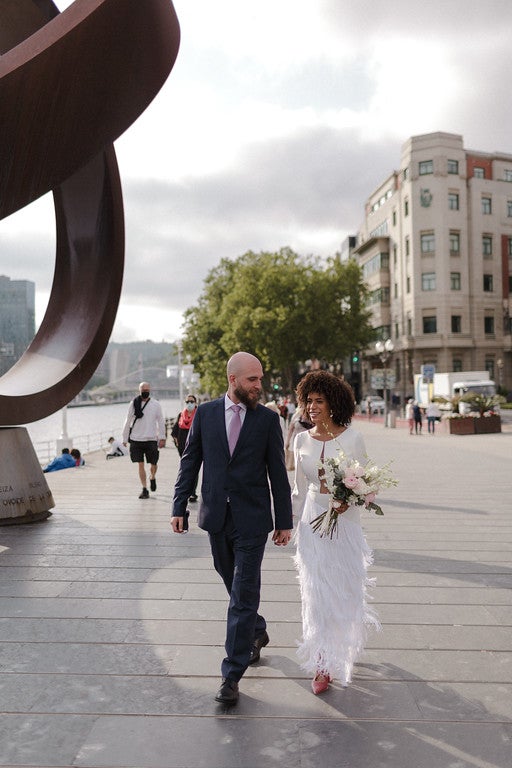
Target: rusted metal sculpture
<point x="70" y="84"/>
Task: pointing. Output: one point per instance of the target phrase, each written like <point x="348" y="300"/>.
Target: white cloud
<point x="276" y="123"/>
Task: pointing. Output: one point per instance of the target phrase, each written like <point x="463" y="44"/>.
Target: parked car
<point x="377" y="404"/>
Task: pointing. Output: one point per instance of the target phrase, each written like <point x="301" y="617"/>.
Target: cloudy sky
<point x="278" y="120"/>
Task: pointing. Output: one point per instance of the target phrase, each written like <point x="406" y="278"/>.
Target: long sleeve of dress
<point x="360" y="449"/>
<point x="300" y="481"/>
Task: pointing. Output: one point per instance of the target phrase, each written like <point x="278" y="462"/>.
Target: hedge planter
<point x="470" y="425"/>
<point x="462" y="426"/>
<point x="487" y="424"/>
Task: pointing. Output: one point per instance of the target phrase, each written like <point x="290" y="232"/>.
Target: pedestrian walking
<point x="409" y="414"/>
<point x="332" y="569"/>
<point x="239" y="444"/>
<point x="432" y="413"/>
<point x="418" y="419"/>
<point x="181" y="429"/>
<point x="144" y="431"/>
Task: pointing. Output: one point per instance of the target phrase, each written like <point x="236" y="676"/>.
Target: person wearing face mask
<point x="144" y="430"/>
<point x="181" y="429"/>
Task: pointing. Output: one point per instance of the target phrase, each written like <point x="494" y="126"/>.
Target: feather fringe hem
<point x="335" y="589"/>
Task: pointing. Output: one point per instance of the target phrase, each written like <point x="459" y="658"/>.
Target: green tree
<point x="283" y="308"/>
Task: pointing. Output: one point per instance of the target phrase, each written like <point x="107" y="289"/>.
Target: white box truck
<point x="449" y="385"/>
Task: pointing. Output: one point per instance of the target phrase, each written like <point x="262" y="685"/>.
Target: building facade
<point x="436" y="252"/>
<point x="17" y="319"/>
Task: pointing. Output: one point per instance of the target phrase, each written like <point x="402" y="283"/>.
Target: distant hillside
<point x="149" y="353"/>
<point x="141" y="354"/>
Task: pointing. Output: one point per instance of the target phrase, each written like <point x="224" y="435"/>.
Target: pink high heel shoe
<point x="320" y="683"/>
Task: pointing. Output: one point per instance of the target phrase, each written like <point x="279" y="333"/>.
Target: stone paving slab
<point x="111" y="629"/>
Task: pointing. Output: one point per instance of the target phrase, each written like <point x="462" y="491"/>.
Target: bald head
<point x="238" y="362"/>
<point x="244" y="378"/>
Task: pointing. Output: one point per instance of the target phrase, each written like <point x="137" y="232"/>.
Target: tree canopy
<point x="283" y="308"/>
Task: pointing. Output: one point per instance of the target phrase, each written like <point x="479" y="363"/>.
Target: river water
<point x="85" y="422"/>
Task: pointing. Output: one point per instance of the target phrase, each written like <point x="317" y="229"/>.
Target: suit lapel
<point x="220" y="424"/>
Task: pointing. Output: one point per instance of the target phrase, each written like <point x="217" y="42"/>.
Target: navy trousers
<point x="238" y="562"/>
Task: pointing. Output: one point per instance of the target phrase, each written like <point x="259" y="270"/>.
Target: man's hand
<point x="161" y="443"/>
<point x="177" y="524"/>
<point x="281" y="538"/>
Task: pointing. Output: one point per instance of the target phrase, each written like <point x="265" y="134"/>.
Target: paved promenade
<point x="112" y="628"/>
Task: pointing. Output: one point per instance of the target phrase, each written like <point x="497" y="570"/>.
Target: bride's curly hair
<point x="338" y="393"/>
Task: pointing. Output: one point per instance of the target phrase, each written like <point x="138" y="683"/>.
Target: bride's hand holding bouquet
<point x="350" y="483"/>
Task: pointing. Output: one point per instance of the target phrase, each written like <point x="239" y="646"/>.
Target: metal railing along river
<point x="96" y="441"/>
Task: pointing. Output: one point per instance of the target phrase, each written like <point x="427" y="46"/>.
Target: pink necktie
<point x="235" y="425"/>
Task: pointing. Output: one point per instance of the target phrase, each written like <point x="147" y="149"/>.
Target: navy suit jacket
<point x="242" y="478"/>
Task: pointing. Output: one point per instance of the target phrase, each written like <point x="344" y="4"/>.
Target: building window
<point x="397" y="333"/>
<point x="455" y="281"/>
<point x="509" y="208"/>
<point x="456" y="324"/>
<point x="428" y="242"/>
<point x="426" y="167"/>
<point x="509" y="246"/>
<point x="405" y="174"/>
<point x="486" y="205"/>
<point x="478" y="172"/>
<point x="395" y="291"/>
<point x="406" y="207"/>
<point x="454" y="238"/>
<point x="507" y="175"/>
<point x="428" y="281"/>
<point x="453" y="201"/>
<point x="430" y="324"/>
<point x="488" y="283"/>
<point x="453" y="166"/>
<point x="489" y="367"/>
<point x="394" y="218"/>
<point x="487" y="246"/>
<point x="394" y="254"/>
<point x="408" y="285"/>
<point x="383" y="332"/>
<point x="489" y="325"/>
<point x="456" y="365"/>
<point x="407" y="246"/>
<point x="379" y="296"/>
<point x="409" y="326"/>
<point x="375" y="264"/>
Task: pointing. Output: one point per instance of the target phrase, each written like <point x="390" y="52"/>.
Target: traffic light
<point x="355" y="357"/>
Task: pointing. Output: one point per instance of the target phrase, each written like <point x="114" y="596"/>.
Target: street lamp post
<point x="384" y="350"/>
<point x="179" y="346"/>
<point x="499" y="363"/>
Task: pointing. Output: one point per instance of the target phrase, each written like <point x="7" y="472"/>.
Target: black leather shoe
<point x="258" y="643"/>
<point x="228" y="692"/>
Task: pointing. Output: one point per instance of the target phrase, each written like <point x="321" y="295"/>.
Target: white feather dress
<point x="332" y="572"/>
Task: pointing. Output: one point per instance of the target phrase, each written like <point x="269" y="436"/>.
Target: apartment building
<point x="17" y="319"/>
<point x="436" y="252"/>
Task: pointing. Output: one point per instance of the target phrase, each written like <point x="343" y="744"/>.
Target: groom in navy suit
<point x="240" y="445"/>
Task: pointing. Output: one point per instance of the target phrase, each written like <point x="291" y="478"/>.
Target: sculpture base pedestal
<point x="24" y="493"/>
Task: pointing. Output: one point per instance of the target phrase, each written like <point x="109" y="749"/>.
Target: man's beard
<point x="246" y="399"/>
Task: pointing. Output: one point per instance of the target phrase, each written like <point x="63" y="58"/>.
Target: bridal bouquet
<point x="350" y="482"/>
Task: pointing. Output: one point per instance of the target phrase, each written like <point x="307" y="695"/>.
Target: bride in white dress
<point x="332" y="572"/>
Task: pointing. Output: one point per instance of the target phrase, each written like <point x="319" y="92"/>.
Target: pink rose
<point x="351" y="481"/>
<point x="369" y="498"/>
